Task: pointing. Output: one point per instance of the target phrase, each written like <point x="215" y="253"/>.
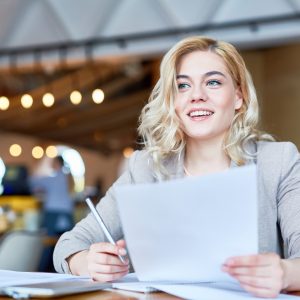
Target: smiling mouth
<point x="200" y="113"/>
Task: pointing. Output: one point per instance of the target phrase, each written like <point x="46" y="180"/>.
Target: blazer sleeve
<point x="88" y="231"/>
<point x="288" y="200"/>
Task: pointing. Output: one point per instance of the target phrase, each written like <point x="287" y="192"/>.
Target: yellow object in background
<point x="20" y="203"/>
<point x="26" y="210"/>
<point x="3" y="223"/>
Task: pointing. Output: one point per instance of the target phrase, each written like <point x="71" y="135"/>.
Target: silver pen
<point x="102" y="225"/>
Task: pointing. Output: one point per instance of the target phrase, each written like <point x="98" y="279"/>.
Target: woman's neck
<point x="205" y="157"/>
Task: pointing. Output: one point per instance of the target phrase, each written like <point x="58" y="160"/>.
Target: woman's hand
<point x="101" y="262"/>
<point x="261" y="275"/>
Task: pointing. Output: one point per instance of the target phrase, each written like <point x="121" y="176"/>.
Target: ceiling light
<point x="51" y="151"/>
<point x="4" y="103"/>
<point x="98" y="96"/>
<point x="37" y="152"/>
<point x="15" y="150"/>
<point x="26" y="101"/>
<point x="76" y="97"/>
<point x="48" y="99"/>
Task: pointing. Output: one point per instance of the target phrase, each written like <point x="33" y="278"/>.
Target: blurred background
<point x="75" y="74"/>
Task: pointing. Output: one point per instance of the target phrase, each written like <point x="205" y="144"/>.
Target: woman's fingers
<point x="107" y="259"/>
<point x="251" y="271"/>
<point x="106" y="269"/>
<point x="104" y="263"/>
<point x="260" y="292"/>
<point x="252" y="260"/>
<point x="105" y="248"/>
<point x="258" y="282"/>
<point x="261" y="275"/>
<point x="101" y="277"/>
<point x="121" y="244"/>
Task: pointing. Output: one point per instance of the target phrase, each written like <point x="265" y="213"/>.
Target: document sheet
<point x="8" y="278"/>
<point x="12" y="278"/>
<point x="183" y="230"/>
<point x="225" y="290"/>
<point x="199" y="292"/>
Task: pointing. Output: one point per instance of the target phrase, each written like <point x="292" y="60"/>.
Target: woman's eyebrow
<point x="182" y="76"/>
<point x="210" y="73"/>
<point x="207" y="74"/>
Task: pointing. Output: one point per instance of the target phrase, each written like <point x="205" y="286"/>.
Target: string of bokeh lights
<point x="50" y="151"/>
<point x="48" y="99"/>
<point x="37" y="152"/>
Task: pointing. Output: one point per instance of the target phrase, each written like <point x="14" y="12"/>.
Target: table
<point x="120" y="295"/>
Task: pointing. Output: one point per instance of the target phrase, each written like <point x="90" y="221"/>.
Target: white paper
<point x="225" y="290"/>
<point x="139" y="286"/>
<point x="9" y="278"/>
<point x="131" y="283"/>
<point x="183" y="230"/>
<point x="198" y="292"/>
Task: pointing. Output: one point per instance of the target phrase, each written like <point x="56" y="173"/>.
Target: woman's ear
<point x="238" y="99"/>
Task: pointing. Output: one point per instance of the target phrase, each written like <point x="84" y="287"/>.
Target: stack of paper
<point x="8" y="278"/>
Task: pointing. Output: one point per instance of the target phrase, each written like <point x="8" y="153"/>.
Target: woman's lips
<point x="200" y="114"/>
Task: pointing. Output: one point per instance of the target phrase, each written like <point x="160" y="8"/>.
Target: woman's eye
<point x="183" y="86"/>
<point x="213" y="83"/>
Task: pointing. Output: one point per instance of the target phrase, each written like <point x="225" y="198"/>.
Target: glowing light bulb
<point x="48" y="99"/>
<point x="98" y="96"/>
<point x="76" y="97"/>
<point x="26" y="101"/>
<point x="51" y="151"/>
<point x="37" y="152"/>
<point x="15" y="150"/>
<point x="4" y="103"/>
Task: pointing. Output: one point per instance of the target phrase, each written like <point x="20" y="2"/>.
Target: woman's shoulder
<point x="140" y="166"/>
<point x="273" y="150"/>
<point x="281" y="156"/>
<point x="140" y="158"/>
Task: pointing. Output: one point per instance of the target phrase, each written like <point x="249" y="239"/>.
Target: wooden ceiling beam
<point x="26" y="118"/>
<point x="78" y="119"/>
<point x="109" y="121"/>
<point x="87" y="78"/>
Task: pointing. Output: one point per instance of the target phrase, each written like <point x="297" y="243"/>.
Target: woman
<point x="201" y="118"/>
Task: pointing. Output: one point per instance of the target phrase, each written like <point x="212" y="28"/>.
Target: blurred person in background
<point x="55" y="189"/>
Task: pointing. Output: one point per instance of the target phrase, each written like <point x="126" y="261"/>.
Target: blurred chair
<point x="21" y="251"/>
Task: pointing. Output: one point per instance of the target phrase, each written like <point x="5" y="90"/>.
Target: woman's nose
<point x="198" y="94"/>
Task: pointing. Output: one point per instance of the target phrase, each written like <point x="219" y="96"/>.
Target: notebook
<point x="53" y="289"/>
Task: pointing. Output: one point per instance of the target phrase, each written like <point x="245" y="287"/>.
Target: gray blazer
<point x="278" y="166"/>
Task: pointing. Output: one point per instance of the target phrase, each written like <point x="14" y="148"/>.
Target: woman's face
<point x="207" y="96"/>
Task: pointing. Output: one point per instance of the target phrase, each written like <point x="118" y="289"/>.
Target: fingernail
<point x="122" y="252"/>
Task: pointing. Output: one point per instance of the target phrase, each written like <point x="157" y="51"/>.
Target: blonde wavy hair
<point x="159" y="125"/>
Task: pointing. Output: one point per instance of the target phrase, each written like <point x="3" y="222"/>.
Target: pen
<point x="102" y="225"/>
